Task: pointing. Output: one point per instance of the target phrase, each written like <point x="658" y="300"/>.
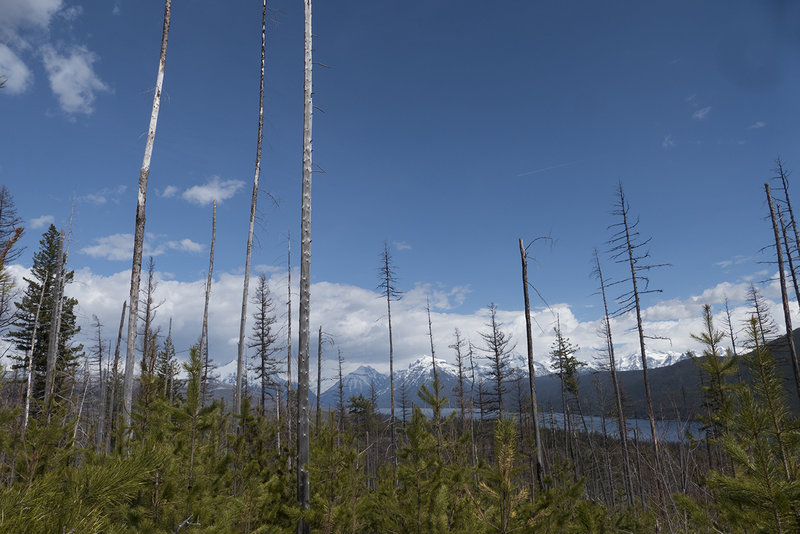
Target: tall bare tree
<point x="498" y="350"/>
<point x="627" y="248"/>
<point x="387" y="285"/>
<point x="138" y="237"/>
<point x="537" y="438"/>
<point x="112" y="402"/>
<point x="204" y="331"/>
<point x="787" y="316"/>
<point x="612" y="366"/>
<point x="240" y="367"/>
<point x="263" y="339"/>
<point x="289" y="337"/>
<point x="303" y="488"/>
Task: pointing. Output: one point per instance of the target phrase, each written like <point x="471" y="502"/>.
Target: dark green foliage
<point x="43" y="274"/>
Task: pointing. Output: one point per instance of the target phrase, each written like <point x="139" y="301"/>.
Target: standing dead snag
<point x="204" y="331"/>
<point x="138" y="237"/>
<point x="523" y="252"/>
<point x="240" y="367"/>
<point x="303" y="489"/>
<point x="626" y="249"/>
<point x="784" y="297"/>
<point x="55" y="320"/>
<point x="389" y="290"/>
<point x="612" y="364"/>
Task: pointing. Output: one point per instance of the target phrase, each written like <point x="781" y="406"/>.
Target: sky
<point x="446" y="129"/>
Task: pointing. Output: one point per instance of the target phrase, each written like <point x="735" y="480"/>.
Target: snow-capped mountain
<point x="633" y="361"/>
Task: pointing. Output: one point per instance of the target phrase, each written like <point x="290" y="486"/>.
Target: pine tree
<point x="263" y="339"/>
<point x="43" y="275"/>
<point x="498" y="350"/>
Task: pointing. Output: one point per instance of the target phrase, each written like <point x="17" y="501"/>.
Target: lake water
<point x="667" y="430"/>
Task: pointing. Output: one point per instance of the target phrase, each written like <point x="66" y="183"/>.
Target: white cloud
<point x="401" y="245"/>
<point x="214" y="189"/>
<point x="105" y="195"/>
<point x="185" y="245"/>
<point x="72" y="78"/>
<point x="702" y="113"/>
<point x="668" y="141"/>
<point x="18" y="76"/>
<point x="169" y="191"/>
<point x="119" y="247"/>
<point x="16" y="15"/>
<point x="756" y="125"/>
<point x="41" y="222"/>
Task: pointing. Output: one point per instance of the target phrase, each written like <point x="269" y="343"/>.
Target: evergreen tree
<point x="43" y="274"/>
<point x="498" y="351"/>
<point x="263" y="338"/>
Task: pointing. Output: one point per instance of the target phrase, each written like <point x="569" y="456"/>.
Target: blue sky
<point x="449" y="129"/>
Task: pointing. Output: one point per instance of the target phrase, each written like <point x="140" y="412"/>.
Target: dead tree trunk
<point x="289" y="340"/>
<point x="319" y="376"/>
<point x="240" y="368"/>
<point x="303" y="490"/>
<point x="623" y="432"/>
<point x="784" y="296"/>
<point x="55" y="324"/>
<point x="204" y="332"/>
<point x="138" y="238"/>
<point x="387" y="287"/>
<point x="29" y="385"/>
<point x="531" y="374"/>
<point x="114" y="379"/>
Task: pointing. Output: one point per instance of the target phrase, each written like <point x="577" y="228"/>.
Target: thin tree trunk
<point x="623" y="432"/>
<point x="138" y="239"/>
<point x="789" y="258"/>
<point x="29" y="386"/>
<point x="784" y="297"/>
<point x="55" y="324"/>
<point x="319" y="375"/>
<point x="240" y="370"/>
<point x="303" y="489"/>
<point x="101" y="423"/>
<point x="204" y="332"/>
<point x="531" y="374"/>
<point x="115" y="379"/>
<point x="289" y="340"/>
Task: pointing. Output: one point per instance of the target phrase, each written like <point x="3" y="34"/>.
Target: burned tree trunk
<point x="55" y="323"/>
<point x="784" y="296"/>
<point x="531" y="374"/>
<point x="240" y="367"/>
<point x="303" y="489"/>
<point x="138" y="238"/>
<point x="204" y="331"/>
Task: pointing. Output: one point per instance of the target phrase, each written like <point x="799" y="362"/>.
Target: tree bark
<point x="138" y="238"/>
<point x="784" y="296"/>
<point x="204" y="332"/>
<point x="319" y="376"/>
<point x="303" y="490"/>
<point x="240" y="370"/>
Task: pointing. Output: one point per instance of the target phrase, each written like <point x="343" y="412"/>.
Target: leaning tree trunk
<point x="138" y="238"/>
<point x="204" y="332"/>
<point x="531" y="376"/>
<point x="237" y="392"/>
<point x="55" y="324"/>
<point x="784" y="297"/>
<point x="303" y="489"/>
<point x="623" y="432"/>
